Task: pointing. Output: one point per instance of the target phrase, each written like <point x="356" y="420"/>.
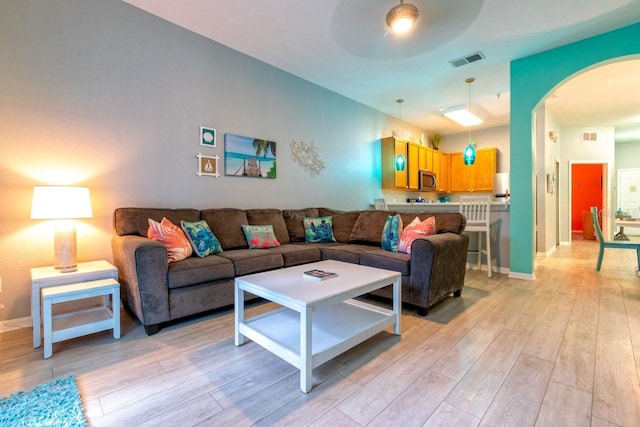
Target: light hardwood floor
<point x="563" y="350"/>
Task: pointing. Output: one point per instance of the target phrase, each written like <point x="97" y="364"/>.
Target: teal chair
<point x="615" y="244"/>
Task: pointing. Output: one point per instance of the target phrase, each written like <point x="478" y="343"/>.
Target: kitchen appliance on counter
<point x="501" y="186"/>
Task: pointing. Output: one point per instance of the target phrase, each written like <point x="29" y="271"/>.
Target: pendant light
<point x="400" y="162"/>
<point x="469" y="153"/>
<point x="401" y="17"/>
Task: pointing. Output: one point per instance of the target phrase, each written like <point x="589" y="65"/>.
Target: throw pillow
<point x="318" y="230"/>
<point x="172" y="237"/>
<point x="201" y="237"/>
<point x="391" y="233"/>
<point x="415" y="230"/>
<point x="260" y="236"/>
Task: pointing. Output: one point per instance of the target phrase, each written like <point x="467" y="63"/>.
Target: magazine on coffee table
<point x="318" y="275"/>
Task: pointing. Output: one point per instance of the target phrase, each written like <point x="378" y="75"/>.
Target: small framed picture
<point x="207" y="136"/>
<point x="207" y="165"/>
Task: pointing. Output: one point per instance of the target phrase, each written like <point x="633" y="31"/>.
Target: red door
<point x="587" y="180"/>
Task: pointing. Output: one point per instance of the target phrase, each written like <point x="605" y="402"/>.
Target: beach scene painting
<point x="251" y="157"/>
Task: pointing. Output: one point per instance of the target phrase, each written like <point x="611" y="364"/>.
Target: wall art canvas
<point x="207" y="136"/>
<point x="250" y="157"/>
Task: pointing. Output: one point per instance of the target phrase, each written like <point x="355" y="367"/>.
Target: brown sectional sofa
<point x="156" y="291"/>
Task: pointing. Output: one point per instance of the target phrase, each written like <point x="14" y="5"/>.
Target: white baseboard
<point x="483" y="267"/>
<point x="13" y="324"/>
<point x="523" y="276"/>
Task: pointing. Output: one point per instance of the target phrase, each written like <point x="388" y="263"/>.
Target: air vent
<point x="467" y="59"/>
<point x="589" y="136"/>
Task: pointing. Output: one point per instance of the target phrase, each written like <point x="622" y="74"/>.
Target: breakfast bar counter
<point x="500" y="227"/>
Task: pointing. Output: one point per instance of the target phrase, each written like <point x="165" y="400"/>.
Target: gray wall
<point x="101" y="94"/>
<point x="627" y="156"/>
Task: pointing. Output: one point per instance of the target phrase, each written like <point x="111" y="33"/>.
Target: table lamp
<point x="62" y="204"/>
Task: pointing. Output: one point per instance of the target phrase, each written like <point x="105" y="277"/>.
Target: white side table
<point x="44" y="277"/>
<point x="82" y="322"/>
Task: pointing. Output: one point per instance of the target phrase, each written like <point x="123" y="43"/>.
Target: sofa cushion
<point x="172" y="237"/>
<point x="273" y="217"/>
<point x="368" y="227"/>
<point x="446" y="222"/>
<point x="226" y="224"/>
<point x="391" y="233"/>
<point x="128" y="221"/>
<point x="260" y="236"/>
<point x="415" y="230"/>
<point x="202" y="240"/>
<point x="318" y="230"/>
<point x="299" y="253"/>
<point x="293" y="220"/>
<point x="343" y="223"/>
<point x="380" y="258"/>
<point x="196" y="270"/>
<point x="247" y="261"/>
<point x="346" y="253"/>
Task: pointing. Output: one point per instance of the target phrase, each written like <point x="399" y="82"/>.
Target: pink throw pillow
<point x="172" y="237"/>
<point x="415" y="230"/>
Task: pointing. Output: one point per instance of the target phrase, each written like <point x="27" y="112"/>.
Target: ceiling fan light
<point x="401" y="17"/>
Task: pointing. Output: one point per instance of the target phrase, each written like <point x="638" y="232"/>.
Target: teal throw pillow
<point x="260" y="236"/>
<point x="391" y="233"/>
<point x="201" y="237"/>
<point x="318" y="230"/>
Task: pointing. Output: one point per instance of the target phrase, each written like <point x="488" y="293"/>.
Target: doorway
<point x="587" y="189"/>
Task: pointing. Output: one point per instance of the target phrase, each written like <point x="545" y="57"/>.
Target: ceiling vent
<point x="589" y="136"/>
<point x="467" y="59"/>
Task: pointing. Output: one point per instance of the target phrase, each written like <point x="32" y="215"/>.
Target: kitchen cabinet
<point x="477" y="177"/>
<point x="441" y="167"/>
<point x="406" y="179"/>
<point x="413" y="166"/>
<point x="423" y="162"/>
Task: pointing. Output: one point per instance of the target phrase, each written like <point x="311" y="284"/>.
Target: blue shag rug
<point x="55" y="403"/>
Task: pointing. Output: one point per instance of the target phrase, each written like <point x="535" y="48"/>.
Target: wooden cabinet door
<point x="437" y="169"/>
<point x="401" y="176"/>
<point x="444" y="181"/>
<point x="413" y="165"/>
<point x="424" y="158"/>
<point x="484" y="169"/>
<point x="460" y="178"/>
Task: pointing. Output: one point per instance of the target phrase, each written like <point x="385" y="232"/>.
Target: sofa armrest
<point x="142" y="270"/>
<point x="440" y="261"/>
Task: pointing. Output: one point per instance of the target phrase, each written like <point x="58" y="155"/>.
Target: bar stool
<point x="476" y="209"/>
<point x="380" y="204"/>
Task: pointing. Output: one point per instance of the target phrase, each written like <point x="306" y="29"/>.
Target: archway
<point x="532" y="79"/>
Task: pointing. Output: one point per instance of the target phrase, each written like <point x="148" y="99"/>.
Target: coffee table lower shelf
<point x="333" y="330"/>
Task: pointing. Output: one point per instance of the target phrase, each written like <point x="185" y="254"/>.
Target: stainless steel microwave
<point x="427" y="181"/>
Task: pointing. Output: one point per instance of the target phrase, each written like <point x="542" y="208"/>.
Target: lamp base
<point x="65" y="247"/>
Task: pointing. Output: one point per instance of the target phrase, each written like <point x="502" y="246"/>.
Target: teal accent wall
<point x="532" y="80"/>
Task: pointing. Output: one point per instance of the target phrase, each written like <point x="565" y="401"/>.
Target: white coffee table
<point x="318" y="319"/>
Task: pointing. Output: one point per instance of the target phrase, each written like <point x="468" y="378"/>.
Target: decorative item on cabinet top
<point x="435" y="141"/>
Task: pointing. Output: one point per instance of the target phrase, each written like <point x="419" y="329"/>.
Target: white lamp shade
<point x="61" y="202"/>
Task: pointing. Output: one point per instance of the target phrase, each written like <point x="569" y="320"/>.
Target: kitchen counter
<point x="500" y="228"/>
<point x="439" y="206"/>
